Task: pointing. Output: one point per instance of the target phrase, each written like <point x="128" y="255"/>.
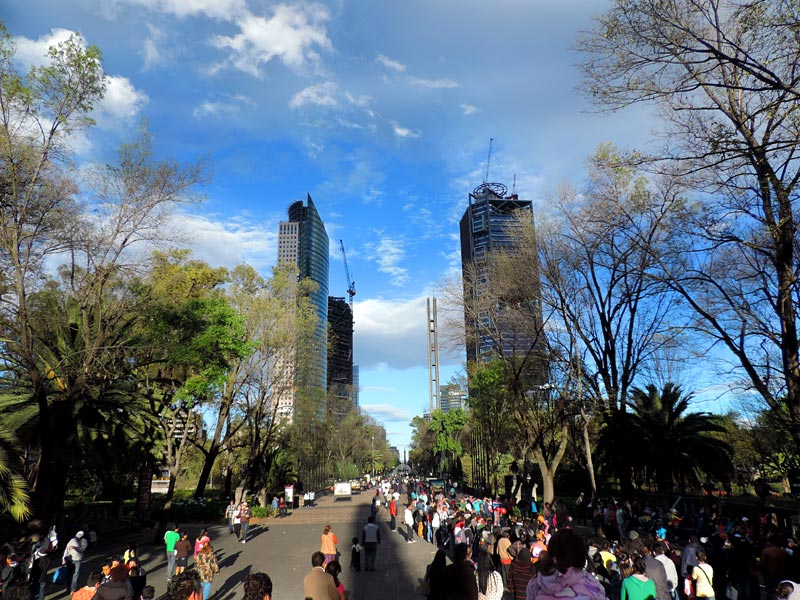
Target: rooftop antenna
<point x="514" y="185"/>
<point x="488" y="160"/>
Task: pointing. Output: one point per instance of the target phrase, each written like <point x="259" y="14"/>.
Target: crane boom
<point x="351" y="285"/>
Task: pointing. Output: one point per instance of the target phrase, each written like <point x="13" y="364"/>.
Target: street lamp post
<point x="372" y="454"/>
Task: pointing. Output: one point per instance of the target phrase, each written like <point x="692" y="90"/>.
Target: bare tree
<point x="726" y="75"/>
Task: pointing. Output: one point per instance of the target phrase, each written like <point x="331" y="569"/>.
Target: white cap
<point x="79" y="534"/>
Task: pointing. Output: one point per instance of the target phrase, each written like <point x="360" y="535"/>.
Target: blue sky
<point x="382" y="111"/>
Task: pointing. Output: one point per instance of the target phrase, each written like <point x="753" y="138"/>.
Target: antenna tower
<point x="488" y="160"/>
<point x="433" y="357"/>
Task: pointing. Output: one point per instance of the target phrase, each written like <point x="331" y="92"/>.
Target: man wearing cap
<point x="73" y="555"/>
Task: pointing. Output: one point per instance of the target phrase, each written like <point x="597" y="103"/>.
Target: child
<point x="355" y="555"/>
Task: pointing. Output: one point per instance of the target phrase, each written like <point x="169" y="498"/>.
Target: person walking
<point x="229" y="512"/>
<point x="408" y="519"/>
<point x="328" y="542"/>
<point x="244" y="517"/>
<point x="206" y="565"/>
<point x="72" y="558"/>
<point x="703" y="576"/>
<point x="171" y="537"/>
<point x="333" y="569"/>
<point x="200" y="541"/>
<point x="370" y="539"/>
<point x="317" y="584"/>
<point x="183" y="548"/>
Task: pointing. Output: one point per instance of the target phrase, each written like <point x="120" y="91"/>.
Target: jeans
<point x="370" y="552"/>
<point x="393" y="523"/>
<point x="410" y="532"/>
<point x="206" y="585"/>
<point x="74" y="568"/>
<point x="170" y="565"/>
<point x="42" y="588"/>
<point x="245" y="526"/>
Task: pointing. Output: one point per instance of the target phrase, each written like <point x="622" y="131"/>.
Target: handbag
<point x="60" y="574"/>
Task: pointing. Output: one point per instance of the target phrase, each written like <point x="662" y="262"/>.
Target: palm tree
<point x="13" y="488"/>
<point x="673" y="445"/>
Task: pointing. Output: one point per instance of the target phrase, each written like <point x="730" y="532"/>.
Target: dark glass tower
<point x="488" y="224"/>
<point x="303" y="240"/>
<point x="340" y="357"/>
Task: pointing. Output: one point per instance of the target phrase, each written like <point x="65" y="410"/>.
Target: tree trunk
<point x="50" y="486"/>
<point x="587" y="445"/>
<point x="216" y="446"/>
<point x="549" y="471"/>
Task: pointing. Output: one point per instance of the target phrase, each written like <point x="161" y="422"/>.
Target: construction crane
<point x="351" y="285"/>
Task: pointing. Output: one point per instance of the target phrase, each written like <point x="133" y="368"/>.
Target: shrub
<point x="259" y="512"/>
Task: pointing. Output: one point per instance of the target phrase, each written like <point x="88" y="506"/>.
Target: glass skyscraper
<point x="302" y="240"/>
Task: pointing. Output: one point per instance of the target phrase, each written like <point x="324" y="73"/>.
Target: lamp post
<point x="372" y="454"/>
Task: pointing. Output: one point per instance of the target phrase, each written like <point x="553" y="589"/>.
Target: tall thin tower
<point x="433" y="357"/>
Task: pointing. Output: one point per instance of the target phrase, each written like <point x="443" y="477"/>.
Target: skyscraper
<point x="488" y="225"/>
<point x="340" y="357"/>
<point x="303" y="241"/>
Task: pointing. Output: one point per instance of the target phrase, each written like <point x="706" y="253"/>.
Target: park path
<point x="282" y="547"/>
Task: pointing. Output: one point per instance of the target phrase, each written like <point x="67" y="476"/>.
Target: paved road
<point x="283" y="547"/>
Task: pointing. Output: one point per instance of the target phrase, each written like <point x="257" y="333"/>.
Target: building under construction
<point x="341" y="397"/>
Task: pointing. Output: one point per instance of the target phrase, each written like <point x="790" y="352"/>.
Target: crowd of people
<point x="485" y="549"/>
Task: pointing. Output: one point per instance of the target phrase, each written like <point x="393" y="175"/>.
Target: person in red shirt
<point x="393" y="514"/>
<point x="88" y="591"/>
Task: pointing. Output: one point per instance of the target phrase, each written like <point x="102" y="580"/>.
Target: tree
<point x="421" y="456"/>
<point x="726" y="76"/>
<point x="668" y="443"/>
<point x="447" y="429"/>
<point x="13" y="487"/>
<point x="611" y="315"/>
<point x="488" y="404"/>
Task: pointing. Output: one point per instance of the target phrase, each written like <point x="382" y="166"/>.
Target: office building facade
<point x="303" y="241"/>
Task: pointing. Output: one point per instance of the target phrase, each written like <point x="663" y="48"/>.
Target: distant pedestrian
<point x="408" y="519"/>
<point x="200" y="541"/>
<point x="229" y="512"/>
<point x="244" y="517"/>
<point x="117" y="586"/>
<point x="258" y="586"/>
<point x="355" y="555"/>
<point x="370" y="539"/>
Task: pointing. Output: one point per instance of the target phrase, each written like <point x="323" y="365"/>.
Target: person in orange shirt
<point x="88" y="591"/>
<point x="328" y="543"/>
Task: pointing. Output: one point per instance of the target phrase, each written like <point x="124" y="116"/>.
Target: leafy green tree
<point x="488" y="415"/>
<point x="447" y="428"/>
<point x="422" y="440"/>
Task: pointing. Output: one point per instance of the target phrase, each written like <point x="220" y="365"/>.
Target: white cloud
<point x="405" y="132"/>
<point x="121" y="103"/>
<point x="390" y="333"/>
<point x="386" y="411"/>
<point x="32" y="53"/>
<point x="215" y="9"/>
<point x="433" y="84"/>
<point x="468" y="109"/>
<point x="390" y="63"/>
<point x="360" y="101"/>
<point x="388" y="253"/>
<point x="320" y="94"/>
<point x="218" y="108"/>
<point x="229" y="242"/>
<point x="292" y="34"/>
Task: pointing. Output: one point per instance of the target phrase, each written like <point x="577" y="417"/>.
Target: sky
<point x="382" y="111"/>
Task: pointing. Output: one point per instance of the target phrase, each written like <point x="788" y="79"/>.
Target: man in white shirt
<point x="659" y="550"/>
<point x="408" y="519"/>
